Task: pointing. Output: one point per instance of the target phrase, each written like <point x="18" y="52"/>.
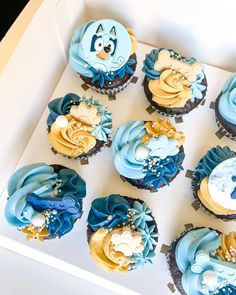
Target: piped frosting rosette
<point x="44" y="201"/>
<point x="78" y="127"/>
<point x="173" y="81"/>
<point x="203" y="262"/>
<point x="214" y="182"/>
<point x="225" y="108"/>
<point x="148" y="154"/>
<point x="122" y="233"/>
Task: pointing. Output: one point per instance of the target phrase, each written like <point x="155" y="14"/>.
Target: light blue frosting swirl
<point x="151" y="74"/>
<point x="125" y="142"/>
<point x="193" y="258"/>
<point x="227" y="102"/>
<point x="41" y="184"/>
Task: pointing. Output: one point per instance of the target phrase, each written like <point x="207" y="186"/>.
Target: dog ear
<point x="113" y="31"/>
<point x="100" y="29"/>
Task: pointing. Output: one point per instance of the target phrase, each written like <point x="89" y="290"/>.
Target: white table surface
<point x="171" y="205"/>
<point x="21" y="275"/>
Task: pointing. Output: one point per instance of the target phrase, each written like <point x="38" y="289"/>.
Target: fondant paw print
<point x="127" y="243"/>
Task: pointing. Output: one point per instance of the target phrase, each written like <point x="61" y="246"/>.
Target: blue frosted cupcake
<point x="44" y="201"/>
<point x="174" y="85"/>
<point x="102" y="52"/>
<point x="202" y="262"/>
<point x="78" y="127"/>
<point x="122" y="233"/>
<point x="214" y="182"/>
<point x="225" y="108"/>
<point x="148" y="155"/>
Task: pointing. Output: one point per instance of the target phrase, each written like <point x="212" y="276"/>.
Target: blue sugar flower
<point x="102" y="130"/>
<point x="141" y="214"/>
<point x="141" y="258"/>
<point x="148" y="236"/>
<point x="126" y="69"/>
<point x="197" y="87"/>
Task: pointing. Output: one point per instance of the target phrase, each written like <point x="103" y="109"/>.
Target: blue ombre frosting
<point x="124" y="145"/>
<point x="193" y="255"/>
<point x="90" y="39"/>
<point x="37" y="187"/>
<point x="227" y="101"/>
<point x="151" y="74"/>
<point x="212" y="158"/>
<point x="62" y="106"/>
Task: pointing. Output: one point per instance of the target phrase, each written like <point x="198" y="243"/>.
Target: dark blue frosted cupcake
<point x="44" y="201"/>
<point x="122" y="233"/>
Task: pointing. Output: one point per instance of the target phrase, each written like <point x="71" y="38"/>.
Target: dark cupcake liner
<point x="173" y="267"/>
<point x="138" y="184"/>
<point x="226" y="128"/>
<point x="96" y="149"/>
<point x="174" y="112"/>
<point x="115" y="86"/>
<point x="228" y="217"/>
<point x="131" y="201"/>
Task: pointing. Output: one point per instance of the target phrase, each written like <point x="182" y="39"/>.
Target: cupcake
<point x="44" y="201"/>
<point x="102" y="52"/>
<point x="148" y="155"/>
<point x="225" y="108"/>
<point x="78" y="127"/>
<point x="173" y="84"/>
<point x="122" y="233"/>
<point x="202" y="261"/>
<point x="214" y="182"/>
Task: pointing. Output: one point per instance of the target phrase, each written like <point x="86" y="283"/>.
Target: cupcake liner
<point x="174" y="112"/>
<point x="222" y="130"/>
<point x="113" y="91"/>
<point x="229" y="217"/>
<point x="131" y="201"/>
<point x="176" y="274"/>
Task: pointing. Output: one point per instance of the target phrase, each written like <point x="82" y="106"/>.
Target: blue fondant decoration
<point x="233" y="194"/>
<point x="103" y="45"/>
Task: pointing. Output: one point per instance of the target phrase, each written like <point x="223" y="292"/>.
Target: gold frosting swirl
<point x="72" y="140"/>
<point x="133" y="41"/>
<point x="209" y="203"/>
<point x="162" y="127"/>
<point x="103" y="244"/>
<point x="171" y="90"/>
<point x="227" y="249"/>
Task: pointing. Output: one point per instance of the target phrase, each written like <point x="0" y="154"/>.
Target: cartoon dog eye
<point x="111" y="46"/>
<point x="98" y="44"/>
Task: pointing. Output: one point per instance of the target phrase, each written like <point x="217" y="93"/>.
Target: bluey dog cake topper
<point x="104" y="45"/>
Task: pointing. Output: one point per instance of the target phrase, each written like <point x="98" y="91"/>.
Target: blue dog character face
<point x="106" y="45"/>
<point x="103" y="44"/>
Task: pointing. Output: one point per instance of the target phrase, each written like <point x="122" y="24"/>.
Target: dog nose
<point x="107" y="49"/>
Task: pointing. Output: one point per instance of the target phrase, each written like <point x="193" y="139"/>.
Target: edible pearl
<point x="54" y="211"/>
<point x="38" y="220"/>
<point x="61" y="121"/>
<point x="210" y="278"/>
<point x="141" y="153"/>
